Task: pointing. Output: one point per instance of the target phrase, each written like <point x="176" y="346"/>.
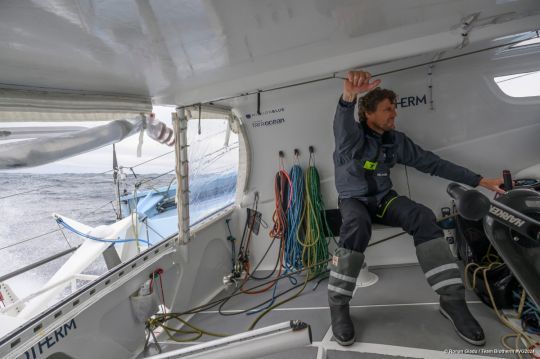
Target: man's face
<point x="382" y="119"/>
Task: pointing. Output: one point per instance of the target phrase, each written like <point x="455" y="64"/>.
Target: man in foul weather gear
<point x="364" y="154"/>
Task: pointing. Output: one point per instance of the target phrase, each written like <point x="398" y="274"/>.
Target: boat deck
<point x="397" y="317"/>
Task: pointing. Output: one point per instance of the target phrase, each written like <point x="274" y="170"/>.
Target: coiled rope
<point x="283" y="193"/>
<point x="489" y="262"/>
<point x="315" y="244"/>
<point x="293" y="249"/>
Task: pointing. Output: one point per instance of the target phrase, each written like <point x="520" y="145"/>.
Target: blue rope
<point x="293" y="250"/>
<point x="530" y="318"/>
<point x="60" y="221"/>
<point x="255" y="311"/>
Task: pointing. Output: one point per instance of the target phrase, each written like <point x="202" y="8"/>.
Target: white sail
<point x="40" y="151"/>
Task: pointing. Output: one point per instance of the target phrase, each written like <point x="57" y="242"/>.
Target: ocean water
<point x="28" y="231"/>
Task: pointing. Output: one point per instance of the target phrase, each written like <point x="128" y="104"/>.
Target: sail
<point x="17" y="133"/>
<point x="40" y="151"/>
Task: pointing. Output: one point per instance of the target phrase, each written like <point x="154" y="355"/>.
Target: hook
<point x="259" y="102"/>
<point x="311" y="156"/>
<point x="255" y="200"/>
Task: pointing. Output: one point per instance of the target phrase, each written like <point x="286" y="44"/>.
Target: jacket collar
<point x="387" y="137"/>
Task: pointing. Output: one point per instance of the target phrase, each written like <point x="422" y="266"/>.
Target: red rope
<point x="279" y="217"/>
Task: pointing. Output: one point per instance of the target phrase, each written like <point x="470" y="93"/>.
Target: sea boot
<point x="458" y="313"/>
<point x="443" y="275"/>
<point x="344" y="270"/>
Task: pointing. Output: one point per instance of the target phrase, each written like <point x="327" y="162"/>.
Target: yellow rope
<point x="492" y="262"/>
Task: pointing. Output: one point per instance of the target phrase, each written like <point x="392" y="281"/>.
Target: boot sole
<point x="347" y="343"/>
<point x="468" y="340"/>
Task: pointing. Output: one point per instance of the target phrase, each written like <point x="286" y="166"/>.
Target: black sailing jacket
<point x="363" y="158"/>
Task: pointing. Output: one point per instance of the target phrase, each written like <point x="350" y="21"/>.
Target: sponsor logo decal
<point x="505" y="216"/>
<point x="261" y="121"/>
<point x="411" y="101"/>
<point x="50" y="340"/>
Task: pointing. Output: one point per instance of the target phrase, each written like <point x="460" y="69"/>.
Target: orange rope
<point x="278" y="231"/>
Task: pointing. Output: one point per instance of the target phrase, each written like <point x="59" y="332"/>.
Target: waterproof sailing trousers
<point x="434" y="256"/>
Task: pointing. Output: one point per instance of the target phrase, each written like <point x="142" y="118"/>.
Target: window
<point x="213" y="164"/>
<point x="520" y="84"/>
<point x="533" y="38"/>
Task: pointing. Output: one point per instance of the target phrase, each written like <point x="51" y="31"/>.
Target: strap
<point x="382" y="211"/>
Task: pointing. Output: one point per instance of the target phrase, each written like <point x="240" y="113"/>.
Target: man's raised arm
<point x="346" y="131"/>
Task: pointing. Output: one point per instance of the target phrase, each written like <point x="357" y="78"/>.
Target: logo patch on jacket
<point x="335" y="260"/>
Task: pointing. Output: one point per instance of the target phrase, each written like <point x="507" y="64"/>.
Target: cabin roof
<point x="182" y="52"/>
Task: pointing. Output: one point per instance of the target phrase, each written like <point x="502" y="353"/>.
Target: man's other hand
<point x="492" y="184"/>
<point x="358" y="82"/>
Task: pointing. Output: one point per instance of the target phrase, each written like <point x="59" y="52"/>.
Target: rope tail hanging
<point x="293" y="249"/>
<point x="283" y="193"/>
<point x="315" y="244"/>
<point x="283" y="198"/>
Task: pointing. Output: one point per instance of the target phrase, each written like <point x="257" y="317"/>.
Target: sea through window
<point x="213" y="165"/>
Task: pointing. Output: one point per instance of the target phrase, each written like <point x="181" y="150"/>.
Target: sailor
<point x="364" y="154"/>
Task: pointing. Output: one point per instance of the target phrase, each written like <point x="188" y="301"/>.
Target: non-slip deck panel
<point x="399" y="310"/>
